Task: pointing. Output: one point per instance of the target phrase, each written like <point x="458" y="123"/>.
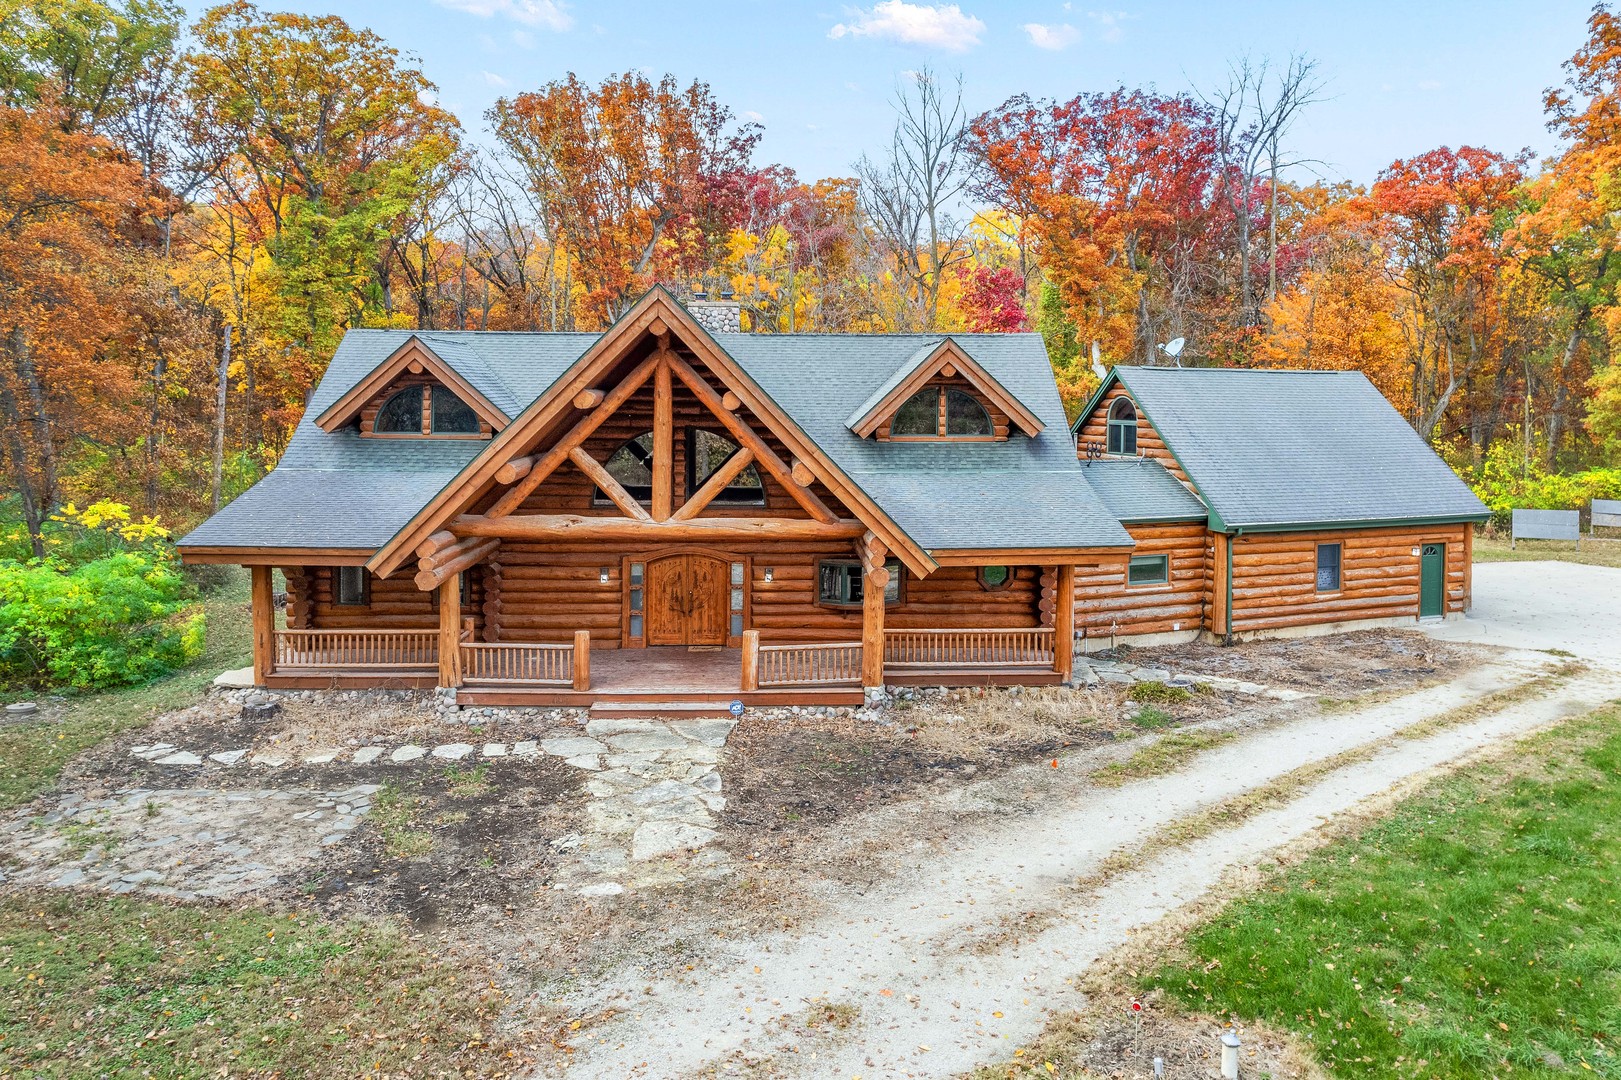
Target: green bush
<point x="1158" y="691"/>
<point x="124" y="618"/>
<point x="1503" y="483"/>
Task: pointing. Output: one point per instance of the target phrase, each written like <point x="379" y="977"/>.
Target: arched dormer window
<point x="1122" y="427"/>
<point x="707" y="453"/>
<point x="942" y="412"/>
<point x="632" y="466"/>
<point x="425" y="410"/>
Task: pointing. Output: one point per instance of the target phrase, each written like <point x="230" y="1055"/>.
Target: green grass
<point x="33" y="754"/>
<point x="113" y="987"/>
<point x="468" y="783"/>
<point x="394" y="812"/>
<point x="1594" y="551"/>
<point x="1161" y="756"/>
<point x="1473" y="933"/>
<point x="1148" y="718"/>
<point x="1159" y="692"/>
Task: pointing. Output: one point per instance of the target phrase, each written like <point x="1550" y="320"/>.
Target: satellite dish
<point x="1173" y="348"/>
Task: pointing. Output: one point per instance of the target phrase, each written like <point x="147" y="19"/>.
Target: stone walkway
<point x="655" y="790"/>
<point x="181" y="842"/>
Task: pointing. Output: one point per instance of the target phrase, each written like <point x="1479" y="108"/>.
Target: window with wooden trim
<point x="1122" y="427"/>
<point x="632" y="466"/>
<point x="1328" y="567"/>
<point x="839" y="581"/>
<point x="1148" y="570"/>
<point x="992" y="578"/>
<point x="425" y="409"/>
<point x="351" y="586"/>
<point x="707" y="453"/>
<point x="942" y="412"/>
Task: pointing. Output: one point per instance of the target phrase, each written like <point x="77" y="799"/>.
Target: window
<point x="637" y="572"/>
<point x="921" y="416"/>
<point x="707" y="452"/>
<point x="838" y="582"/>
<point x="1328" y="568"/>
<point x="464" y="586"/>
<point x="1148" y="570"/>
<point x="353" y="589"/>
<point x="995" y="577"/>
<point x="1122" y="427"/>
<point x="632" y="466"/>
<point x="446" y="414"/>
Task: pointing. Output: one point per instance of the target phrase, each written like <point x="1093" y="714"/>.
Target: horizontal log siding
<point x="396" y="603"/>
<point x="1275" y="576"/>
<point x="1149" y="444"/>
<point x="547" y="592"/>
<point x="1105" y="604"/>
<point x="569" y="491"/>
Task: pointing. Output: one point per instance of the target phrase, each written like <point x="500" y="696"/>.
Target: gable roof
<point x="932" y="358"/>
<point x="1020" y="493"/>
<point x="1274" y="450"/>
<point x="469" y="378"/>
<point x="1141" y="490"/>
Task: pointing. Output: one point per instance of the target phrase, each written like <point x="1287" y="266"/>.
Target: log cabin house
<point x="675" y="511"/>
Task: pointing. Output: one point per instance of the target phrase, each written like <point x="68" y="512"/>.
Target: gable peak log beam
<point x="431" y="574"/>
<point x="663" y="435"/>
<point x="745" y="436"/>
<point x="566" y="528"/>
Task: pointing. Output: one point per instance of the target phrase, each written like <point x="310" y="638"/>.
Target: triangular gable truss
<point x="504" y="463"/>
<point x="412" y="358"/>
<point x="948" y="359"/>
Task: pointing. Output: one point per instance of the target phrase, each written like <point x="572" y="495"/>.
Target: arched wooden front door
<point x="686" y="600"/>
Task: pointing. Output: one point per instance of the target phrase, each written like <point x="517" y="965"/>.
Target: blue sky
<point x="1402" y="78"/>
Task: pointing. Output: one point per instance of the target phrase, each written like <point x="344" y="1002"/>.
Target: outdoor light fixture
<point x="1229" y="1055"/>
<point x="1416" y="551"/>
<point x="770" y="574"/>
<point x="602" y="575"/>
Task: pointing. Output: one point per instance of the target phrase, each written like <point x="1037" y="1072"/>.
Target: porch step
<point x="660" y="710"/>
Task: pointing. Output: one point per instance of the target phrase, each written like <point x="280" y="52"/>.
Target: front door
<point x="1431" y="580"/>
<point x="686" y="600"/>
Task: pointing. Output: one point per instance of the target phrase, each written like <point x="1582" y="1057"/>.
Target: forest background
<point x="192" y="215"/>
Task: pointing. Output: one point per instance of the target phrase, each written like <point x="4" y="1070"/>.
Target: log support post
<point x="751" y="661"/>
<point x="663" y="444"/>
<point x="262" y="601"/>
<point x="582" y="660"/>
<point x="450" y="626"/>
<point x="874" y="581"/>
<point x="1064" y="623"/>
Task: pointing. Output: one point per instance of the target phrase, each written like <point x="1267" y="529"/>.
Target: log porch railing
<point x="837" y="663"/>
<point x="531" y="663"/>
<point x="932" y="649"/>
<point x="367" y="649"/>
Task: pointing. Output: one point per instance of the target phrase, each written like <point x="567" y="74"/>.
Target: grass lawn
<point x="32" y="754"/>
<point x="1475" y="932"/>
<point x="114" y="987"/>
<point x="1595" y="551"/>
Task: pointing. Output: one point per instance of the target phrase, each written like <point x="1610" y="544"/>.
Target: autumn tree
<point x="634" y="177"/>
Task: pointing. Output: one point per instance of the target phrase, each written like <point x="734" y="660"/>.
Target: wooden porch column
<point x="262" y="603"/>
<point x="581" y="673"/>
<point x="1064" y="622"/>
<point x="751" y="661"/>
<point x="874" y="580"/>
<point x="450" y="631"/>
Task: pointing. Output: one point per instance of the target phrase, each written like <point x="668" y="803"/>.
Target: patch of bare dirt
<point x="1334" y="666"/>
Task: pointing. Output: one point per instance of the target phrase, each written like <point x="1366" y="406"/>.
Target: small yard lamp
<point x="1229" y="1055"/>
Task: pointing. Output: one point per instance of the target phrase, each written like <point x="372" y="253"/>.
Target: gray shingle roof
<point x="1141" y="490"/>
<point x="1269" y="449"/>
<point x="1023" y="492"/>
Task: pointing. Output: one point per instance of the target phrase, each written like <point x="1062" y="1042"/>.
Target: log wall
<point x="1105" y="604"/>
<point x="1275" y="576"/>
<point x="396" y="602"/>
<point x="1149" y="444"/>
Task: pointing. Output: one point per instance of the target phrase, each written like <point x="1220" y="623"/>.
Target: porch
<point x="575" y="674"/>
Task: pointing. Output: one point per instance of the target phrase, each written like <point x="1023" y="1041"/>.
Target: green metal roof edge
<point x="1365" y="523"/>
<point x="1086" y="410"/>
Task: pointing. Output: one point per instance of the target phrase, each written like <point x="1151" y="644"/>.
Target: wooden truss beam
<point x="566" y="528"/>
<point x="716" y="483"/>
<point x="543" y="465"/>
<point x="746" y="437"/>
<point x="607" y="484"/>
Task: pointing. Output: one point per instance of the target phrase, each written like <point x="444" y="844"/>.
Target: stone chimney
<point x="719" y="316"/>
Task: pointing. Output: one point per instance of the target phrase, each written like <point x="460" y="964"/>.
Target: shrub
<point x="1503" y="483"/>
<point x="121" y="619"/>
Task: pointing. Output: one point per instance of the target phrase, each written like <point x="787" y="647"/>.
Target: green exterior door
<point x="1432" y="581"/>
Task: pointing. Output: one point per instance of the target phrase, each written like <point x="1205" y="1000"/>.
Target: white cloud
<point x="523" y="39"/>
<point x="940" y="26"/>
<point x="1109" y="21"/>
<point x="1055" y="37"/>
<point x="493" y="79"/>
<point x="750" y="114"/>
<point x="1430" y="84"/>
<point x="551" y="14"/>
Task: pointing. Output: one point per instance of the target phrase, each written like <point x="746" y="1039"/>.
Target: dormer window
<point x="1123" y="427"/>
<point x="425" y="410"/>
<point x="942" y="412"/>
